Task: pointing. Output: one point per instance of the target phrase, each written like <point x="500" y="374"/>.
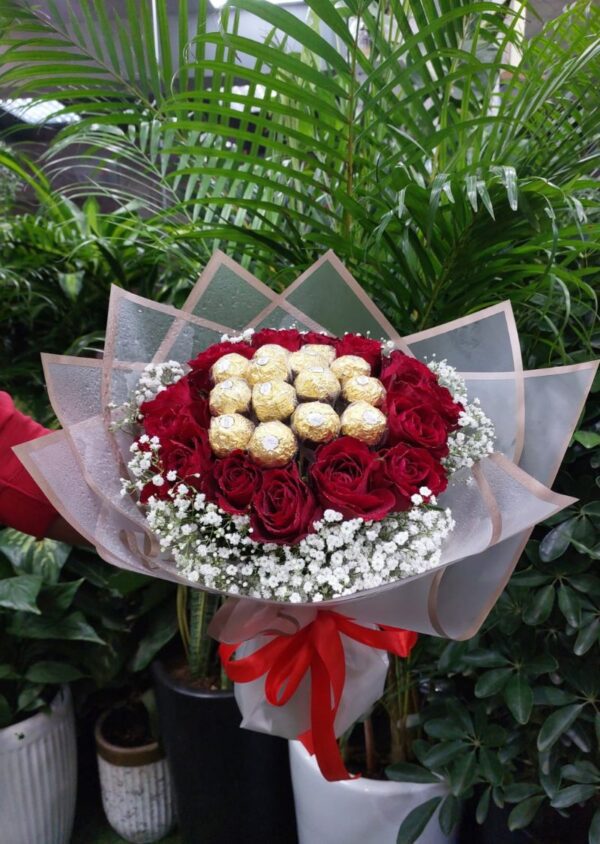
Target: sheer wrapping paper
<point x="535" y="412"/>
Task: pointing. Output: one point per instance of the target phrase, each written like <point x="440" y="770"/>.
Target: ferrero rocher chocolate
<point x="228" y="432"/>
<point x="311" y="355"/>
<point x="363" y="421"/>
<point x="316" y="421"/>
<point x="347" y="366"/>
<point x="273" y="350"/>
<point x="363" y="388"/>
<point x="272" y="444"/>
<point x="266" y="366"/>
<point x="317" y="382"/>
<point x="273" y="400"/>
<point x="320" y="350"/>
<point x="229" y="396"/>
<point x="229" y="366"/>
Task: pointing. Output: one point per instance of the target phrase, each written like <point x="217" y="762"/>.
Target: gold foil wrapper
<point x="273" y="400"/>
<point x="347" y="366"/>
<point x="267" y="367"/>
<point x="316" y="421"/>
<point x="317" y="383"/>
<point x="229" y="432"/>
<point x="229" y="366"/>
<point x="272" y="444"/>
<point x="311" y="355"/>
<point x="363" y="421"/>
<point x="230" y="396"/>
<point x="364" y="388"/>
<point x="273" y="350"/>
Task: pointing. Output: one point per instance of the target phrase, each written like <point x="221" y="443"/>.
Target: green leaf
<point x="582" y="771"/>
<point x="573" y="794"/>
<point x="449" y="814"/>
<point x="409" y="772"/>
<point x="485" y="659"/>
<point x="443" y="728"/>
<point x="523" y="813"/>
<point x="483" y="806"/>
<point x="59" y="597"/>
<point x="492" y="682"/>
<point x="162" y="628"/>
<point x="540" y="607"/>
<point x="462" y="773"/>
<point x="416" y="821"/>
<point x="52" y="672"/>
<point x="594" y="831"/>
<point x="519" y="698"/>
<point x="591" y="509"/>
<point x="42" y="557"/>
<point x="555" y="543"/>
<point x="73" y="626"/>
<point x="441" y="754"/>
<point x="71" y="283"/>
<point x="586" y="637"/>
<point x="556" y="724"/>
<point x="518" y="791"/>
<point x="20" y="593"/>
<point x="491" y="767"/>
<point x="588" y="439"/>
<point x="551" y="696"/>
<point x="29" y="697"/>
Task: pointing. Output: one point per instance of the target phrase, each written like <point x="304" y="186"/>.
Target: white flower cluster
<point x="212" y="548"/>
<point x="476" y="435"/>
<point x="155" y="378"/>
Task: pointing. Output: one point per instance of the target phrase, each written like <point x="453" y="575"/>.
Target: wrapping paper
<point x="535" y="412"/>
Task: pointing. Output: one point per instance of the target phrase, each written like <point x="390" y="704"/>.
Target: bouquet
<point x="341" y="485"/>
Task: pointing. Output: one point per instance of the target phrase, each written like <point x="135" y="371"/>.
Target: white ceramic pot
<point x="136" y="789"/>
<point x="355" y="811"/>
<point x="38" y="776"/>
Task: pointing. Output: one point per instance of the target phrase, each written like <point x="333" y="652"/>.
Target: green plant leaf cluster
<point x="66" y="617"/>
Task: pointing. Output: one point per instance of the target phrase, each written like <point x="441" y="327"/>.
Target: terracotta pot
<point x="136" y="789"/>
<point x="38" y="776"/>
<point x="356" y="811"/>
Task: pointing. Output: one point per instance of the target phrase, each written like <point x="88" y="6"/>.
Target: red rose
<point x="201" y="365"/>
<point x="315" y="338"/>
<point x="406" y="395"/>
<point x="420" y="425"/>
<point x="400" y="369"/>
<point x="346" y="478"/>
<point x="175" y="414"/>
<point x="406" y="469"/>
<point x="363" y="347"/>
<point x="236" y="479"/>
<point x="283" y="508"/>
<point x="289" y="338"/>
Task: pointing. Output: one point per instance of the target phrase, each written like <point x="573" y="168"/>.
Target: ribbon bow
<point x="318" y="647"/>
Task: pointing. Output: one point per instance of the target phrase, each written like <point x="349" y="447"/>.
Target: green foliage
<point x="527" y="684"/>
<point x="56" y="627"/>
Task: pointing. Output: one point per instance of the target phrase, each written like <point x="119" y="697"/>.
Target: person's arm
<point x="23" y="505"/>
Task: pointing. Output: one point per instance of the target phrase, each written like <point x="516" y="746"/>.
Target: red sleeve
<point x="22" y="503"/>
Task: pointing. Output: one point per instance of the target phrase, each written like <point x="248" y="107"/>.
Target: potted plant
<point x="505" y="724"/>
<point x="134" y="775"/>
<point x="43" y="642"/>
<point x="222" y="775"/>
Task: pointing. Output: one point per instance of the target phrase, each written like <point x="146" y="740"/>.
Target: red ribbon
<point x="318" y="647"/>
